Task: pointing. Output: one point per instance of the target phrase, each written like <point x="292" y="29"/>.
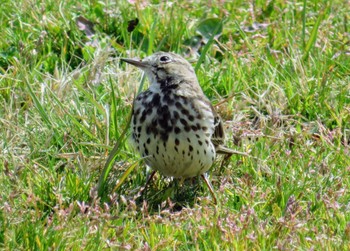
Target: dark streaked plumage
<point x="174" y="125"/>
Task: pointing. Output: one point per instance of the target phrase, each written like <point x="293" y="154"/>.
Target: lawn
<point x="278" y="72"/>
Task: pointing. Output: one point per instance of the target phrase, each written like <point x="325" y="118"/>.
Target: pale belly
<point x="185" y="155"/>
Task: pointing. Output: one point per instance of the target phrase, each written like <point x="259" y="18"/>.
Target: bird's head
<point x="165" y="68"/>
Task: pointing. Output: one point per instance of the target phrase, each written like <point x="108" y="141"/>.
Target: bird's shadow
<point x="176" y="194"/>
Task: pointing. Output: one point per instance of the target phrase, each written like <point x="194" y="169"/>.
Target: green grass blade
<point x="126" y="174"/>
<point x="114" y="105"/>
<point x="303" y="24"/>
<point x="207" y="46"/>
<point x="110" y="160"/>
<point x="113" y="154"/>
<point x="38" y="105"/>
<point x="313" y="35"/>
<point x="90" y="98"/>
<point x="72" y="118"/>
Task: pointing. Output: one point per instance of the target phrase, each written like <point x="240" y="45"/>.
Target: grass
<point x="278" y="73"/>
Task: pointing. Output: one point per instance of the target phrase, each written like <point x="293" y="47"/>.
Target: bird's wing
<point x="218" y="137"/>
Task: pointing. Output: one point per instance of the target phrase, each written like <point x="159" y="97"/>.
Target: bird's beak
<point x="136" y="62"/>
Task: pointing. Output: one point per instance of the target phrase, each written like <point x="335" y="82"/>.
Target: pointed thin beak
<point x="136" y="62"/>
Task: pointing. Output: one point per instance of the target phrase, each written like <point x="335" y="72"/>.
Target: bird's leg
<point x="150" y="177"/>
<point x="207" y="181"/>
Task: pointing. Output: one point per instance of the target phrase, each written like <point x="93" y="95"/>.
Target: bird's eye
<point x="164" y="59"/>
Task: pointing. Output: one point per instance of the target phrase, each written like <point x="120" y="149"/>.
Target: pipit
<point x="174" y="126"/>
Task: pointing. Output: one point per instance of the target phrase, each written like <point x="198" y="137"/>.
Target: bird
<point x="175" y="128"/>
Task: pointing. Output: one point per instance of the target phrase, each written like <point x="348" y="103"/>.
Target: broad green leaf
<point x="210" y="27"/>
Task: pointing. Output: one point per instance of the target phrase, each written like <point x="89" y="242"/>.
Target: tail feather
<point x="220" y="149"/>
